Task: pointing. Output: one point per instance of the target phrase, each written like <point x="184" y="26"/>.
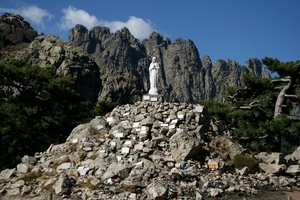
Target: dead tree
<point x="283" y="94"/>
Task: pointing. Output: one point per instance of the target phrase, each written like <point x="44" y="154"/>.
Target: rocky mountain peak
<point x="124" y="32"/>
<point x="79" y="35"/>
<point x="254" y="66"/>
<point x="98" y="32"/>
<point x="140" y="150"/>
<point x="156" y="38"/>
<point x="15" y="30"/>
<point x="118" y="63"/>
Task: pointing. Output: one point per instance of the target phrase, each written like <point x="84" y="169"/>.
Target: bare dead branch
<point x="247" y="138"/>
<point x="279" y="88"/>
<point x="287" y="79"/>
<point x="248" y="107"/>
<point x="243" y="107"/>
<point x="291" y="96"/>
<point x="294" y="117"/>
<point x="254" y="103"/>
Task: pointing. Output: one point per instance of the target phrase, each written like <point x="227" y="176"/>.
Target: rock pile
<point x="147" y="150"/>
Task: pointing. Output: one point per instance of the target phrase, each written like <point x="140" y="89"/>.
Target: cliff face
<point x="15" y="34"/>
<point x="184" y="77"/>
<point x="15" y="30"/>
<point x="114" y="66"/>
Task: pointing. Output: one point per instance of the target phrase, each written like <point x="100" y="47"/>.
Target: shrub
<point x="129" y="188"/>
<point x="240" y="161"/>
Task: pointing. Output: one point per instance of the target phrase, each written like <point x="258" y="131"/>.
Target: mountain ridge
<point x="157" y="150"/>
<point x="114" y="66"/>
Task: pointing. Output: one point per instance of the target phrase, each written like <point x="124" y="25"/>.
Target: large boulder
<point x="183" y="146"/>
<point x="14" y="30"/>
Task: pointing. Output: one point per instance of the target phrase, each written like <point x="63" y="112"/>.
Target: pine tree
<point x="37" y="108"/>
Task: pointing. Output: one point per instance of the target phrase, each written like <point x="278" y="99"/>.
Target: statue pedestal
<point x="153" y="97"/>
<point x="153" y="91"/>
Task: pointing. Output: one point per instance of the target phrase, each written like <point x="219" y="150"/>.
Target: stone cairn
<point x="148" y="150"/>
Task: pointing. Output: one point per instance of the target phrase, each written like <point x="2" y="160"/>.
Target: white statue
<point x="153" y="72"/>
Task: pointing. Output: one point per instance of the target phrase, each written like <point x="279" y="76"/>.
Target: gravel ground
<point x="264" y="195"/>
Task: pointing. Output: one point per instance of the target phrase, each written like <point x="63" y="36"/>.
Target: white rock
<point x="5" y="174"/>
<point x="65" y="165"/>
<point x="125" y="150"/>
<point x="23" y="168"/>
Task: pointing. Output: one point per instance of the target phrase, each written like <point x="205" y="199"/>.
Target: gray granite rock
<point x="167" y="155"/>
<point x="7" y="173"/>
<point x="183" y="146"/>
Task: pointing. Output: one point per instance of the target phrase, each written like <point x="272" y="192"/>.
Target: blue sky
<point x="223" y="29"/>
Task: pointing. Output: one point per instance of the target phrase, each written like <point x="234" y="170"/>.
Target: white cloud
<point x="33" y="14"/>
<point x="72" y="16"/>
<point x="138" y="27"/>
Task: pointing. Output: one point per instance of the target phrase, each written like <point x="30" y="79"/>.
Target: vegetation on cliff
<point x="37" y="108"/>
<point x="263" y="114"/>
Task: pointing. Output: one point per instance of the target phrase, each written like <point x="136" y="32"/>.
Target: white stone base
<point x="153" y="97"/>
<point x="153" y="91"/>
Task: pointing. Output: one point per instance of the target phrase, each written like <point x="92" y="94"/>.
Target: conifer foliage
<point x="263" y="114"/>
<point x="37" y="108"/>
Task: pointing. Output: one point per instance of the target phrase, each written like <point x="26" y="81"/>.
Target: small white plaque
<point x="112" y="143"/>
<point x="139" y="163"/>
<point x="125" y="150"/>
<point x="180" y="116"/>
<point x="135" y="125"/>
<point x="146" y="97"/>
<point x="172" y="126"/>
<point x="153" y="99"/>
<point x="174" y="121"/>
<point x="128" y="142"/>
<point x="109" y="119"/>
<point x="75" y="140"/>
<point x="109" y="181"/>
<point x="119" y="135"/>
<point x="119" y="158"/>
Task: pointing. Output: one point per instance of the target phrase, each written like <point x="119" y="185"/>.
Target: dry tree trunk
<point x="283" y="94"/>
